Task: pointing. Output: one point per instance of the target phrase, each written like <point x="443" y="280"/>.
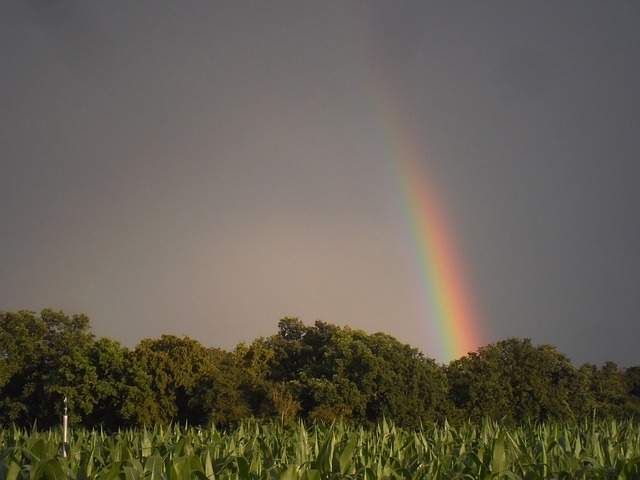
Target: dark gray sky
<point x="207" y="168"/>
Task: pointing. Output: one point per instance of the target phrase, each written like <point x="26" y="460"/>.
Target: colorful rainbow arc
<point x="446" y="300"/>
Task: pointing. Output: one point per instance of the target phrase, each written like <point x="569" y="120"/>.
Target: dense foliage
<point x="320" y="373"/>
<point x="590" y="450"/>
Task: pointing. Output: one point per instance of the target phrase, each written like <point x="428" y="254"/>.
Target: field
<point x="258" y="451"/>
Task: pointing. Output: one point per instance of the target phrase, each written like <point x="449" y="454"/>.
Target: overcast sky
<point x="207" y="168"/>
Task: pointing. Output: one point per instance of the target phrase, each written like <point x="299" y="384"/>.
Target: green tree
<point x="123" y="390"/>
<point x="406" y="386"/>
<point x="325" y="372"/>
<point x="175" y="367"/>
<point x="48" y="361"/>
<point x="222" y="395"/>
<point x="609" y="390"/>
<point x="476" y="386"/>
<point x="20" y="349"/>
<point x="515" y="380"/>
<point x="632" y="377"/>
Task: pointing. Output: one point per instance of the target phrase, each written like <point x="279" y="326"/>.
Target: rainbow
<point x="448" y="308"/>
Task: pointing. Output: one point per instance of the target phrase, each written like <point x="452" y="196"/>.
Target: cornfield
<point x="606" y="450"/>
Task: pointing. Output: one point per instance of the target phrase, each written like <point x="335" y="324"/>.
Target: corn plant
<point x="594" y="450"/>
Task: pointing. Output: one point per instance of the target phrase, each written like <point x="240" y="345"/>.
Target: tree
<point x="476" y="388"/>
<point x="632" y="379"/>
<point x="20" y="334"/>
<point x="175" y="367"/>
<point x="516" y="381"/>
<point x="48" y="362"/>
<point x="609" y="390"/>
<point x="221" y="396"/>
<point x="632" y="376"/>
<point x="122" y="390"/>
<point x="406" y="386"/>
<point x="325" y="372"/>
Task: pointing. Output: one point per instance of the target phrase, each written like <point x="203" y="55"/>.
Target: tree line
<point x="318" y="373"/>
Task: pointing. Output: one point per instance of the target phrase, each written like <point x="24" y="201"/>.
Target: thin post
<point x="64" y="429"/>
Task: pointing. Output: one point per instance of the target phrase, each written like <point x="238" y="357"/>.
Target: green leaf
<point x="630" y="469"/>
<point x="130" y="473"/>
<point x="37" y="449"/>
<point x="243" y="467"/>
<point x="180" y="469"/>
<point x="291" y="473"/>
<point x="49" y="470"/>
<point x="311" y="474"/>
<point x="498" y="455"/>
<point x="154" y="465"/>
<point x="208" y="466"/>
<point x="110" y="473"/>
<point x="346" y="456"/>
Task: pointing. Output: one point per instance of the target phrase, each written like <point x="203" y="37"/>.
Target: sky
<point x="208" y="168"/>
